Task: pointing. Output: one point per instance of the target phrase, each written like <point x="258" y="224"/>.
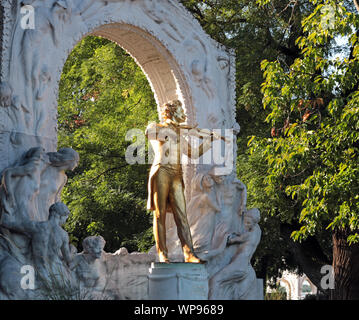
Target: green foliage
<point x="301" y="164"/>
<point x="103" y="94"/>
<point x="312" y="155"/>
<point x="257" y="33"/>
<point x="278" y="293"/>
<point x="299" y="46"/>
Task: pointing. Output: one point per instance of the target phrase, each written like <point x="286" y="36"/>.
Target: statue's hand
<point x="214" y="136"/>
<point x="231" y="237"/>
<point x="237" y="238"/>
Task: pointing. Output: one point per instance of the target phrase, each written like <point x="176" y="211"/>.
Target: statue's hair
<point x="200" y="182"/>
<point x="90" y="241"/>
<point x="59" y="208"/>
<point x="254" y="214"/>
<point x="169" y="108"/>
<point x="197" y="183"/>
<point x="63" y="156"/>
<point x="32" y="153"/>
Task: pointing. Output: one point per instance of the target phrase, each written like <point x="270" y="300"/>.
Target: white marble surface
<point x="180" y="62"/>
<point x="178" y="281"/>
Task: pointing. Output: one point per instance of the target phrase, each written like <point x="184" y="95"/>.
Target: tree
<point x="257" y="33"/>
<point x="103" y="94"/>
<point x="305" y="93"/>
<point x="268" y="30"/>
<point x="312" y="154"/>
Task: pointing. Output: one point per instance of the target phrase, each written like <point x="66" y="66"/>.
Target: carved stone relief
<point x="180" y="62"/>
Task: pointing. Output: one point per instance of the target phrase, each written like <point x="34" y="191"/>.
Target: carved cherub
<point x="237" y="277"/>
<point x="54" y="178"/>
<point x="49" y="242"/>
<point x="21" y="183"/>
<point x="83" y="263"/>
<point x="203" y="206"/>
<point x="91" y="271"/>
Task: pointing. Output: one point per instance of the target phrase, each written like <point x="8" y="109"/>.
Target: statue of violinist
<point x="165" y="185"/>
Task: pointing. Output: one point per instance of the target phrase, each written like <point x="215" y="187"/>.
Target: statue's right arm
<point x="19" y="171"/>
<point x="10" y="173"/>
<point x="155" y="131"/>
<point x="151" y="131"/>
<point x="74" y="261"/>
<point x="26" y="226"/>
<point x="65" y="249"/>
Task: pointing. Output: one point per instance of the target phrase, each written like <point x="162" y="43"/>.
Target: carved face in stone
<point x="65" y="158"/>
<point x="218" y="179"/>
<point x="207" y="182"/>
<point x="93" y="246"/>
<point x="95" y="252"/>
<point x="73" y="164"/>
<point x="248" y="223"/>
<point x="61" y="10"/>
<point x="251" y="218"/>
<point x="63" y="219"/>
<point x="59" y="211"/>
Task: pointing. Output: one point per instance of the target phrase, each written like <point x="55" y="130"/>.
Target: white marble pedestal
<point x="178" y="281"/>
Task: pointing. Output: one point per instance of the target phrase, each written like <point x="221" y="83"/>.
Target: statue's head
<point x="59" y="210"/>
<point x="173" y="110"/>
<point x="207" y="181"/>
<point x="62" y="9"/>
<point x="93" y="246"/>
<point x="251" y="218"/>
<point x="218" y="179"/>
<point x="65" y="157"/>
<point x="34" y="155"/>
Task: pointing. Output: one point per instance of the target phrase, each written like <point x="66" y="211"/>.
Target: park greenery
<point x="103" y="94"/>
<point x="297" y="104"/>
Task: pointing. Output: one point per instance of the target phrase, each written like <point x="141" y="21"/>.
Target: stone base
<point x="178" y="281"/>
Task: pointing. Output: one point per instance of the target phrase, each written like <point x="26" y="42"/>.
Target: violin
<point x="202" y="133"/>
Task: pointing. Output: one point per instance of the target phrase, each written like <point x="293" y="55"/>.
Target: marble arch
<point x="181" y="62"/>
<point x="179" y="59"/>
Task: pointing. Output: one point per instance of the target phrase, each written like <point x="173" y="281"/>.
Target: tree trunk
<point x="307" y="254"/>
<point x="345" y="267"/>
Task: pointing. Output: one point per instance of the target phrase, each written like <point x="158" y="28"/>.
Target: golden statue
<point x="165" y="185"/>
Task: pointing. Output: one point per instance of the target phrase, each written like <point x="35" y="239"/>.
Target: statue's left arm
<point x="65" y="249"/>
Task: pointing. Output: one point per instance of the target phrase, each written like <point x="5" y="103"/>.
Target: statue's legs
<point x="168" y="188"/>
<point x="161" y="186"/>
